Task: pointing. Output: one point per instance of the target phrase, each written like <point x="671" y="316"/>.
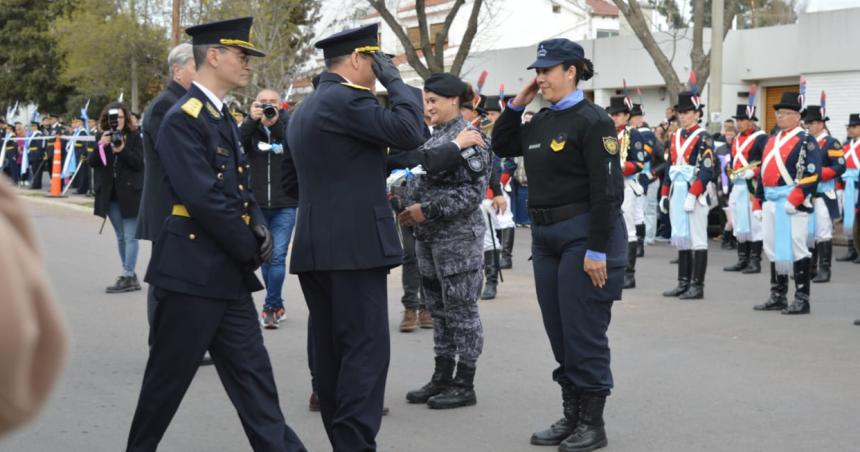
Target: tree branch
<point x="446" y="26"/>
<point x="409" y="49"/>
<point x="468" y="37"/>
<point x="432" y="60"/>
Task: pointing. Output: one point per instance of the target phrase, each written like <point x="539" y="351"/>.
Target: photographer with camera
<point x="117" y="166"/>
<point x="263" y="138"/>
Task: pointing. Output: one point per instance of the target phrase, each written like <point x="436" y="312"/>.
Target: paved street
<point x="708" y="375"/>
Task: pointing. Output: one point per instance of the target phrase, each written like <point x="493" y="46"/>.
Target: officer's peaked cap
<point x="231" y="33"/>
<point x="363" y="39"/>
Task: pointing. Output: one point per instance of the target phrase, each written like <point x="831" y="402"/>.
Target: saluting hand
<point x="527" y="94"/>
<point x="596" y="270"/>
<point x="411" y="216"/>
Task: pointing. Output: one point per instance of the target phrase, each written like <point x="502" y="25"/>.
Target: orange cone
<point x="57" y="168"/>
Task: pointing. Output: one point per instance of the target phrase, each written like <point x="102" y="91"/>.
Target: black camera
<point x="269" y="111"/>
<point x="113" y="122"/>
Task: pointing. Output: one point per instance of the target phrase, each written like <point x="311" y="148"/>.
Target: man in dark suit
<point x="155" y="201"/>
<point x="204" y="258"/>
<point x="345" y="241"/>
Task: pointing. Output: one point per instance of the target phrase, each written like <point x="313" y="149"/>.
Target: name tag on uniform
<point x="534" y="146"/>
<point x="221" y="151"/>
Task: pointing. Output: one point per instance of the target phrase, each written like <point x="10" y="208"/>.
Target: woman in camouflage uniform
<point x="449" y="230"/>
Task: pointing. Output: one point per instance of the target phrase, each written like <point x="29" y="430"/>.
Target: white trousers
<point x="823" y="222"/>
<point x="699" y="226"/>
<point x="755" y="225"/>
<point x="628" y="210"/>
<point x="651" y="211"/>
<point x="799" y="230"/>
<point x="491" y="223"/>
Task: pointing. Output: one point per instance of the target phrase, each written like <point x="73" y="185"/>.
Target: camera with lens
<point x="269" y="111"/>
<point x="113" y="122"/>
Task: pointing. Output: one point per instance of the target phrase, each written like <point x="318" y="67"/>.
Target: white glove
<point x="757" y="214"/>
<point x="690" y="202"/>
<point x="664" y="204"/>
<point x="789" y="208"/>
<point x="748" y="174"/>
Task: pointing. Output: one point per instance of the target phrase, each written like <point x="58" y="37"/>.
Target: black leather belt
<point x="552" y="215"/>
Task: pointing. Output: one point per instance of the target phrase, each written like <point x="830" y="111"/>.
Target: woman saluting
<point x="573" y="163"/>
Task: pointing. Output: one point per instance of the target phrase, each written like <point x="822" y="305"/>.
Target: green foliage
<point x="30" y="61"/>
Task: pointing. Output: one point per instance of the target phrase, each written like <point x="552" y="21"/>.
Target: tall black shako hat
<point x="813" y="113"/>
<point x="445" y="85"/>
<point x="553" y="52"/>
<point x="854" y="119"/>
<point x="688" y="101"/>
<point x="789" y="101"/>
<point x="230" y="33"/>
<point x="745" y="111"/>
<point x="362" y="39"/>
<point x="618" y="104"/>
<point x="494" y="103"/>
<point x="637" y="110"/>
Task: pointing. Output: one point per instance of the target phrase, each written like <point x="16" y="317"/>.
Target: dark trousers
<point x="412" y="299"/>
<point x="230" y="331"/>
<point x="351" y="352"/>
<point x="37" y="168"/>
<point x="151" y="303"/>
<point x="83" y="177"/>
<point x="576" y="314"/>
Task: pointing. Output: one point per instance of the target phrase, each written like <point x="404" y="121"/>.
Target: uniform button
<point x="246" y="205"/>
<point x="223" y="167"/>
<point x="241" y="170"/>
<point x="192" y="236"/>
<point x="220" y="176"/>
<point x="241" y="187"/>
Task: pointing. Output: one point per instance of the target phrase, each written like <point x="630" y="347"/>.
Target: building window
<point x="556" y="8"/>
<point x="415" y="35"/>
<point x="606" y="33"/>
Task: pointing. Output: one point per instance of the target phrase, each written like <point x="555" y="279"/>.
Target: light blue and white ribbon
<point x="850" y="176"/>
<point x="782" y="242"/>
<point x="681" y="177"/>
<point x="742" y="227"/>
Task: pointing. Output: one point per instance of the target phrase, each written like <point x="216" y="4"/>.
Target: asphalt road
<point x="709" y="375"/>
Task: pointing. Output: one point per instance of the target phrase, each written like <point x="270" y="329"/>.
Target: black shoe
<point x="441" y="380"/>
<point x="778" y="289"/>
<point x="460" y="393"/>
<point x="685" y="268"/>
<point x="630" y="271"/>
<point x="697" y="286"/>
<point x="589" y="433"/>
<point x="754" y="266"/>
<point x="851" y="255"/>
<point x="743" y="258"/>
<point x="825" y="258"/>
<point x="800" y="305"/>
<point x="640" y="240"/>
<point x="135" y="284"/>
<point x="729" y="241"/>
<point x="507" y="239"/>
<point x="857" y="322"/>
<point x="562" y="428"/>
<point x="122" y="284"/>
<point x="491" y="274"/>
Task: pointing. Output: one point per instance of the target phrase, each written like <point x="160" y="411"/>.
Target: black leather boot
<point x="697" y="286"/>
<point x="813" y="262"/>
<point x="491" y="274"/>
<point x="506" y="261"/>
<point x="800" y="305"/>
<point x="589" y="433"/>
<point x="461" y="392"/>
<point x="850" y="255"/>
<point x="743" y="258"/>
<point x="825" y="258"/>
<point x="630" y="271"/>
<point x="778" y="290"/>
<point x="440" y="381"/>
<point x="754" y="265"/>
<point x="640" y="240"/>
<point x="562" y="428"/>
<point x="122" y="284"/>
<point x="685" y="268"/>
<point x="726" y="242"/>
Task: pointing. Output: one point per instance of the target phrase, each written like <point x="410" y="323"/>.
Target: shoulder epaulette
<point x="358" y="87"/>
<point x="192" y="107"/>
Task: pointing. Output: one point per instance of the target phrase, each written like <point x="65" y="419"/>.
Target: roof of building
<point x="602" y="8"/>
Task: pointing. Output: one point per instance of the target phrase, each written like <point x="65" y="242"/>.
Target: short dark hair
<point x="200" y="51"/>
<point x="334" y="61"/>
<point x="584" y="69"/>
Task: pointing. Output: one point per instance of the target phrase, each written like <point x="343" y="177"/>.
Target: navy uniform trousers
<point x="229" y="329"/>
<point x="576" y="314"/>
<point x="351" y="352"/>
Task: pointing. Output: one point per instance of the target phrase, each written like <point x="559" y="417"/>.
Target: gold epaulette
<point x="192" y="107"/>
<point x="835" y="153"/>
<point x="358" y="87"/>
<point x="808" y="179"/>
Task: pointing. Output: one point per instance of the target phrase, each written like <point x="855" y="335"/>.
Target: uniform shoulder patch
<point x="610" y="145"/>
<point x="353" y="86"/>
<point x="192" y="107"/>
<point x="212" y="111"/>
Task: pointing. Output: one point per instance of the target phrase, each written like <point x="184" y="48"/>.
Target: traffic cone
<point x="57" y="168"/>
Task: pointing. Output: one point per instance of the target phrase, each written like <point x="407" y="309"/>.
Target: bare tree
<point x="700" y="60"/>
<point x="433" y="52"/>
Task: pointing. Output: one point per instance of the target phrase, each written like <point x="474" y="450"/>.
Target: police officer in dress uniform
<point x="36" y="149"/>
<point x="633" y="156"/>
<point x="646" y="205"/>
<point x="444" y="211"/>
<point x="743" y="168"/>
<point x="345" y="238"/>
<point x="851" y="182"/>
<point x="825" y="205"/>
<point x="204" y="259"/>
<point x="579" y="241"/>
<point x="692" y="168"/>
<point x="790" y="171"/>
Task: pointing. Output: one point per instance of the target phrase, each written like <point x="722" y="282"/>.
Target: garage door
<point x="773" y="94"/>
